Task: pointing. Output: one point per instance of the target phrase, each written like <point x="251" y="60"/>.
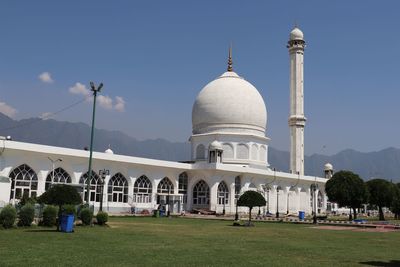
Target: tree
<point x="347" y="189"/>
<point x="381" y="194"/>
<point x="395" y="207"/>
<point x="60" y="195"/>
<point x="251" y="199"/>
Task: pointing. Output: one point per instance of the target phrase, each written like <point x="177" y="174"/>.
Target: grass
<point x="194" y="242"/>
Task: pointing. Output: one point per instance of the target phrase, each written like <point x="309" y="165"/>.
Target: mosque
<point x="229" y="156"/>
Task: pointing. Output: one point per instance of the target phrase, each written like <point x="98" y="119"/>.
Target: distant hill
<point x="384" y="163"/>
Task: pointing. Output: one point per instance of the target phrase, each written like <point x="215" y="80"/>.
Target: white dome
<point x="296" y="34"/>
<point x="328" y="167"/>
<point x="109" y="151"/>
<point x="229" y="104"/>
<point x="215" y="145"/>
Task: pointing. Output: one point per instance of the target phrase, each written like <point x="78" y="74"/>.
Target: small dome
<point x="328" y="167"/>
<point x="215" y="145"/>
<point x="296" y="34"/>
<point x="229" y="104"/>
<point x="109" y="151"/>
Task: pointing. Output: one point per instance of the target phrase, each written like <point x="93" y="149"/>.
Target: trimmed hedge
<point x="68" y="209"/>
<point x="8" y="215"/>
<point x="49" y="216"/>
<point x="102" y="218"/>
<point x="86" y="216"/>
<point x="26" y="215"/>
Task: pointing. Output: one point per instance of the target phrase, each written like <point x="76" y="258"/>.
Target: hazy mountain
<point x="384" y="163"/>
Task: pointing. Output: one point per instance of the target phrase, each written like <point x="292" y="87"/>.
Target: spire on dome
<point x="230" y="68"/>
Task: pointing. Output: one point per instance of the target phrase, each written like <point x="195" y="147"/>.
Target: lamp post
<point x="314" y="189"/>
<point x="103" y="173"/>
<point x="53" y="161"/>
<point x="168" y="202"/>
<point x="277" y="202"/>
<point x="287" y="202"/>
<point x="95" y="91"/>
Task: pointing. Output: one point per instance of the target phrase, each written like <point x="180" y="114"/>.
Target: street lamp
<point x="53" y="161"/>
<point x="168" y="202"/>
<point x="95" y="91"/>
<point x="314" y="189"/>
<point x="277" y="202"/>
<point x="103" y="173"/>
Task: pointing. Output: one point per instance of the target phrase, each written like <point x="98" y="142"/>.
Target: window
<point x="142" y="190"/>
<point x="223" y="194"/>
<point x="165" y="186"/>
<point x="118" y="189"/>
<point x="24" y="181"/>
<point x="201" y="193"/>
<point x="95" y="186"/>
<point x="60" y="177"/>
<point x="183" y="185"/>
<point x="242" y="151"/>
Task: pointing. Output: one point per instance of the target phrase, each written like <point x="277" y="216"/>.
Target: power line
<point x="44" y="117"/>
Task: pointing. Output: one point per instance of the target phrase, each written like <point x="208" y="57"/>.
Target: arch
<point x="201" y="193"/>
<point x="252" y="187"/>
<point x="223" y="194"/>
<point x="242" y="151"/>
<point x="165" y="186"/>
<point x="200" y="151"/>
<point x="95" y="186"/>
<point x="24" y="181"/>
<point x="254" y="152"/>
<point x="263" y="153"/>
<point x="142" y="190"/>
<point x="183" y="185"/>
<point x="228" y="151"/>
<point x="238" y="186"/>
<point x="60" y="176"/>
<point x="118" y="189"/>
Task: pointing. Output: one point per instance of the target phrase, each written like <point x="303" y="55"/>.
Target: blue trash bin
<point x="67" y="223"/>
<point x="301" y="215"/>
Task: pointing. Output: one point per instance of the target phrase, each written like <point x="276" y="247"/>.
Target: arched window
<point x="95" y="186"/>
<point x="24" y="181"/>
<point x="183" y="185"/>
<point x="242" y="151"/>
<point x="223" y="194"/>
<point x="118" y="189"/>
<point x="263" y="153"/>
<point x="228" y="151"/>
<point x="60" y="177"/>
<point x="254" y="152"/>
<point x="142" y="190"/>
<point x="200" y="151"/>
<point x="201" y="193"/>
<point x="165" y="186"/>
<point x="238" y="186"/>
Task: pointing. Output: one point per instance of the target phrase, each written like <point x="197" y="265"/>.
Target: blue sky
<point x="155" y="56"/>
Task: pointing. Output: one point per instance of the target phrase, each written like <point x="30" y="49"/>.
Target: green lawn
<point x="193" y="242"/>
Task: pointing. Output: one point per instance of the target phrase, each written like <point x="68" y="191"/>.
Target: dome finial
<point x="230" y="68"/>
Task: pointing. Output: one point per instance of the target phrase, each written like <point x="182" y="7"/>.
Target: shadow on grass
<point x="42" y="231"/>
<point x="392" y="263"/>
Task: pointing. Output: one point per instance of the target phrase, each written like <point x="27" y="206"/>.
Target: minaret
<point x="296" y="45"/>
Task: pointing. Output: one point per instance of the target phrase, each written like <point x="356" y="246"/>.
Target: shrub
<point x="68" y="209"/>
<point x="102" y="218"/>
<point x="50" y="216"/>
<point x="86" y="216"/>
<point x="7" y="216"/>
<point x="26" y="215"/>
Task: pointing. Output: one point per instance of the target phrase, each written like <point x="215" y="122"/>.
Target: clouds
<point x="46" y="77"/>
<point x="104" y="101"/>
<point x="7" y="110"/>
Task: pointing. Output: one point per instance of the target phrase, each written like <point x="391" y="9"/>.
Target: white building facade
<point x="229" y="156"/>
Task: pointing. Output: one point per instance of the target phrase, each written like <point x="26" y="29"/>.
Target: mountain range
<point x="383" y="164"/>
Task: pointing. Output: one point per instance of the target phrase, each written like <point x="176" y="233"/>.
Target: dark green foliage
<point x="102" y="218"/>
<point x="26" y="215"/>
<point x="27" y="200"/>
<point x="69" y="209"/>
<point x="347" y="189"/>
<point x="86" y="216"/>
<point x="7" y="216"/>
<point x="395" y="207"/>
<point x="381" y="194"/>
<point x="251" y="199"/>
<point x="49" y="216"/>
